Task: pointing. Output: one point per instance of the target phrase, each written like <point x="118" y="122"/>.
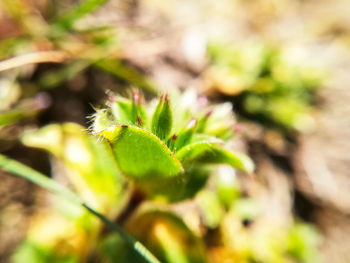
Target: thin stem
<point x="37" y="178"/>
<point x="138" y="246"/>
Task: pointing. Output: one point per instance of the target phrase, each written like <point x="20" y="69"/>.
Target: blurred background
<point x="283" y="64"/>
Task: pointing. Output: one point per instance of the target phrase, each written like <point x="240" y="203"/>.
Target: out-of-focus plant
<point x="263" y="241"/>
<point x="15" y="108"/>
<point x="243" y="234"/>
<point x="63" y="38"/>
<point x="66" y="232"/>
<point x="274" y="86"/>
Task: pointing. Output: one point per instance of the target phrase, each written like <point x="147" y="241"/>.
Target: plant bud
<point x="162" y="118"/>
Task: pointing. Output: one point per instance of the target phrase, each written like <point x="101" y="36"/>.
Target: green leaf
<point x="211" y="153"/>
<point x="162" y="119"/>
<point x="140" y="154"/>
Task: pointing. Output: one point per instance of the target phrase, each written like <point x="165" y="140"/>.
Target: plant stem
<point x="138" y="246"/>
<point x="37" y="178"/>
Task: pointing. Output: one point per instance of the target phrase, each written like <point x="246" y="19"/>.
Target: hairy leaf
<point x="140" y="154"/>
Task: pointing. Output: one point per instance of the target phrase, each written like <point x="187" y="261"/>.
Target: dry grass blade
<point x="34" y="58"/>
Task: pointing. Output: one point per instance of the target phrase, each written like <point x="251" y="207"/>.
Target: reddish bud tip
<point x="165" y="97"/>
<point x="174" y="137"/>
<point x="139" y="120"/>
<point x="210" y="112"/>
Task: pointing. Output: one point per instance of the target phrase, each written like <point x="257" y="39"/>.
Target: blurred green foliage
<point x="90" y="164"/>
<point x="272" y="85"/>
<point x="77" y="47"/>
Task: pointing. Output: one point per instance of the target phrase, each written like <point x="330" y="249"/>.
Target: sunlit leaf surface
<point x="140" y="154"/>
